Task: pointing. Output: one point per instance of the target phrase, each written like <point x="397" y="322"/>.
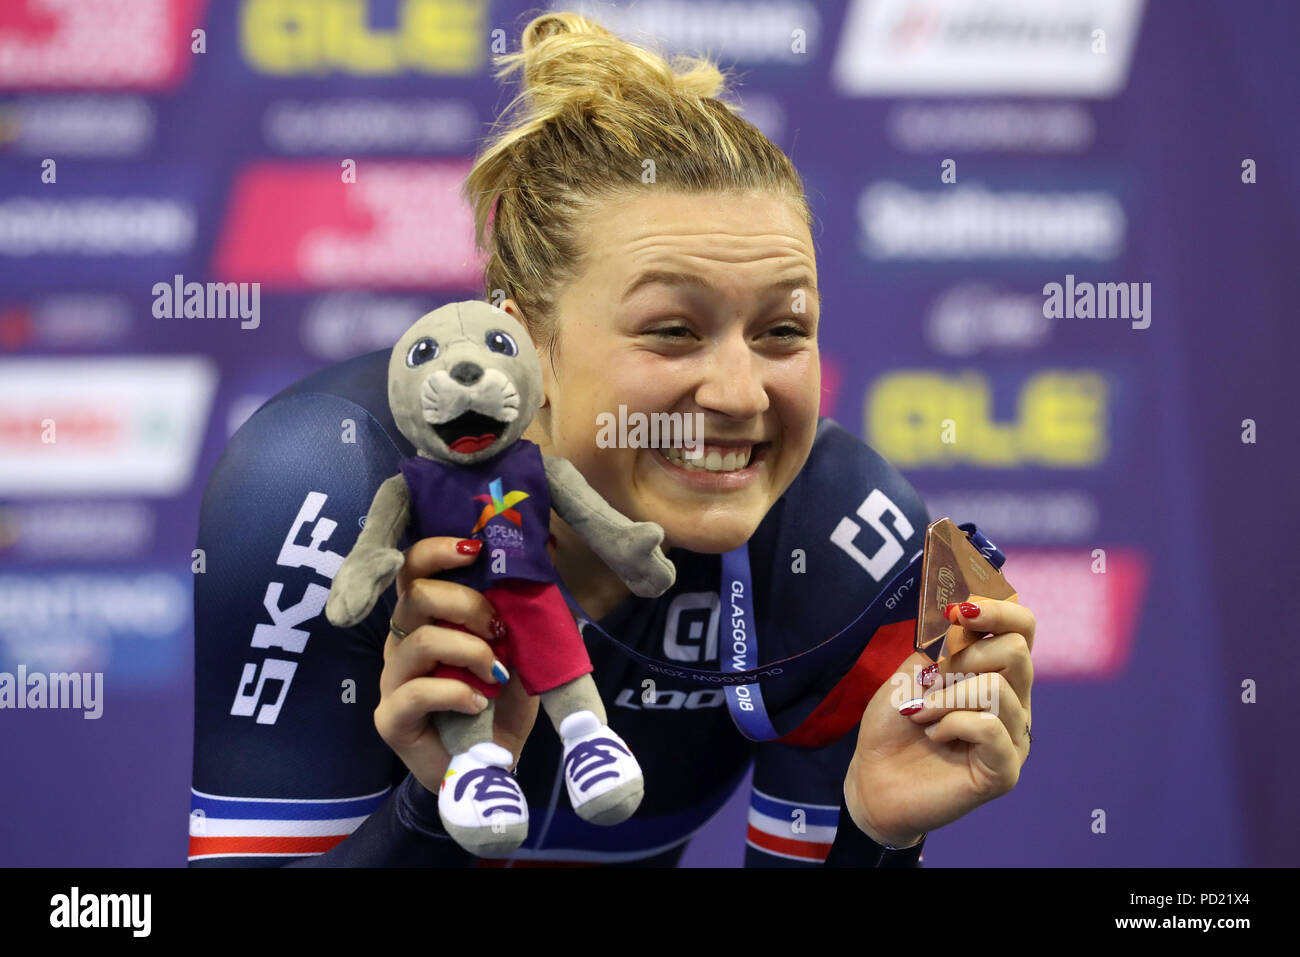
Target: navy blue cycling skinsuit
<point x="288" y="766"/>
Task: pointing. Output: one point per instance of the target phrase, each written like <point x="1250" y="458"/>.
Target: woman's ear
<point x="512" y="307"/>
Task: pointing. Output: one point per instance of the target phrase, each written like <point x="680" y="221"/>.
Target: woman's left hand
<point x="903" y="781"/>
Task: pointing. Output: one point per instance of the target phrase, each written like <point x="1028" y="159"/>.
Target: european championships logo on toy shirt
<point x="511" y="541"/>
<point x="504" y="500"/>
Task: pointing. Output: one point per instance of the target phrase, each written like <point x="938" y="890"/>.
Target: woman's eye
<point x="672" y="332"/>
<point x="790" y="331"/>
<point x="422" y="352"/>
<point x="501" y="342"/>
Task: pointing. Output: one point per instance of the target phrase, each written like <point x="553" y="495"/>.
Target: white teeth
<point x="713" y="461"/>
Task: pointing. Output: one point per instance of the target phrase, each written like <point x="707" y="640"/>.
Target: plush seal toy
<point x="463" y="383"/>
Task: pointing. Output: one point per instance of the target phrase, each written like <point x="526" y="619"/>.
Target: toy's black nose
<point x="466" y="373"/>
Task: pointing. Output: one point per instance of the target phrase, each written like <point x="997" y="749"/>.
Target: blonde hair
<point x="591" y="110"/>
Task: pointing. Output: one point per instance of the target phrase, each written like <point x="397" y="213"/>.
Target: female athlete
<point x="658" y="248"/>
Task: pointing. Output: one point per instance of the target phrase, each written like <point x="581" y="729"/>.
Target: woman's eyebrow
<point x="691" y="280"/>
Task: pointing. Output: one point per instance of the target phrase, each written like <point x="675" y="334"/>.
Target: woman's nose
<point x="733" y="381"/>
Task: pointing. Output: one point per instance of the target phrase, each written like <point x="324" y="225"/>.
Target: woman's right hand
<point x="408" y="696"/>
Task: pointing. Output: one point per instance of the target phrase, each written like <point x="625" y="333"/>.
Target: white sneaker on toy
<point x="480" y="802"/>
<point x="602" y="775"/>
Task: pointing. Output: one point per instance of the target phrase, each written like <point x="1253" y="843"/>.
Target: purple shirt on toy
<point x="503" y="501"/>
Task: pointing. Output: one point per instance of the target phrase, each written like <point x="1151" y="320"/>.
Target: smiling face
<point x="689" y="303"/>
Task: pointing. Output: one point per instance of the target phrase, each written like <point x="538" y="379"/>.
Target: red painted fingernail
<point x="910" y="707"/>
<point x="498" y="628"/>
<point x="947" y="611"/>
<point x="469" y="546"/>
<point x="969" y="610"/>
<point x="927" y="675"/>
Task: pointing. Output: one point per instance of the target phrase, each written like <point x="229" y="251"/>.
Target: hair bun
<point x="571" y="61"/>
<point x="554" y="24"/>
